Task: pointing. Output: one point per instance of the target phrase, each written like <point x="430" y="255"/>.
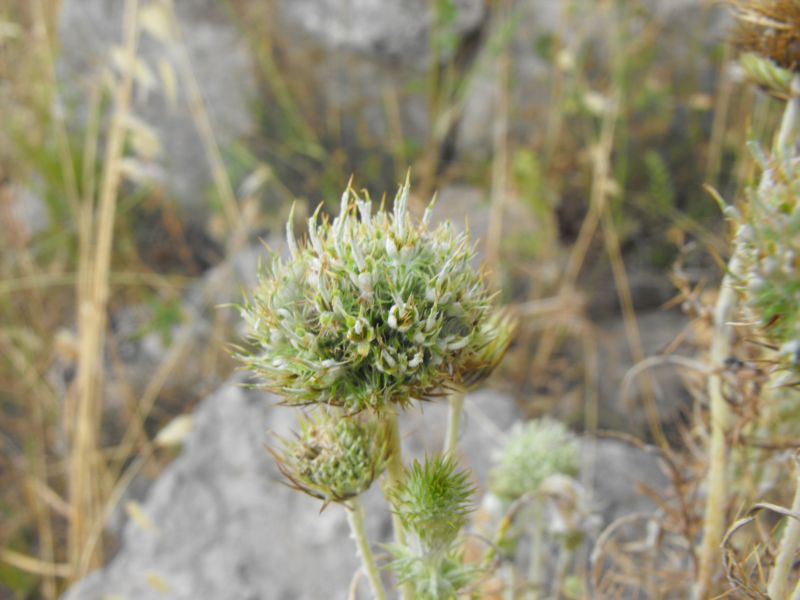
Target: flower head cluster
<point x="768" y="244"/>
<point x="433" y="502"/>
<point x="334" y="459"/>
<point x="373" y="310"/>
<point x="533" y="452"/>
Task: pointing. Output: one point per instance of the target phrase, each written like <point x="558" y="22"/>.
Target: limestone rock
<point x="88" y="32"/>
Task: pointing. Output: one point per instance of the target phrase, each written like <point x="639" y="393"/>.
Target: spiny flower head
<point x="433" y="501"/>
<point x="334" y="458"/>
<point x="768" y="244"/>
<point x="373" y="310"/>
<point x="533" y="452"/>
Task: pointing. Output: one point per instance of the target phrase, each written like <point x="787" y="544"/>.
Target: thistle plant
<point x="768" y="32"/>
<point x="372" y="311"/>
<point x="367" y="313"/>
<point x="769" y="247"/>
<point x="433" y="502"/>
<point x="533" y="454"/>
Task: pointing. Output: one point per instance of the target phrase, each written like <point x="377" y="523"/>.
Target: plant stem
<point x="721" y="345"/>
<point x="453" y="419"/>
<point x="537" y="550"/>
<point x="355" y="516"/>
<point x="786" y="551"/>
<point x="714" y="521"/>
<point x="394" y="473"/>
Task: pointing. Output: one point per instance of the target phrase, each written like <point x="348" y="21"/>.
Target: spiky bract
<point x="433" y="578"/>
<point x="334" y="459"/>
<point x="373" y="310"/>
<point x="533" y="452"/>
<point x="768" y="243"/>
<point x="433" y="500"/>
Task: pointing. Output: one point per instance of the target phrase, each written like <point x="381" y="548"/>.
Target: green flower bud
<point x="433" y="501"/>
<point x="533" y="452"/>
<point x="334" y="459"/>
<point x="397" y="306"/>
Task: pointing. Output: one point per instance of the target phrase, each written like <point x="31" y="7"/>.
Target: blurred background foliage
<point x="576" y="137"/>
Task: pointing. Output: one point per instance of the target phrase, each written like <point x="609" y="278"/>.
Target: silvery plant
<point x="370" y="312"/>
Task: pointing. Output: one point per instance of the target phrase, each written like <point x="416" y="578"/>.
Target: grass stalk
<point x="93" y="294"/>
<point x="355" y="517"/>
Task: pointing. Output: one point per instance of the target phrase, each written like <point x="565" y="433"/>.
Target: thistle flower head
<point x="433" y="502"/>
<point x="768" y="244"/>
<point x="533" y="452"/>
<point x="373" y="309"/>
<point x="334" y="459"/>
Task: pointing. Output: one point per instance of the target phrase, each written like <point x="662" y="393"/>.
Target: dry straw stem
<point x="720" y="417"/>
<point x="93" y="291"/>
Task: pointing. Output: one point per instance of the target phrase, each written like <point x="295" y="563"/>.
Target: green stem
<point x="537" y="549"/>
<point x="508" y="593"/>
<point x="453" y="419"/>
<point x="394" y="474"/>
<point x="355" y="516"/>
<point x="786" y="551"/>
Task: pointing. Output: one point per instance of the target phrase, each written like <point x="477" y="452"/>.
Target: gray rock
<point x="88" y="29"/>
<point x="375" y="28"/>
<point x="23" y="214"/>
<point x="614" y="472"/>
<point x="657" y="329"/>
<point x="353" y="59"/>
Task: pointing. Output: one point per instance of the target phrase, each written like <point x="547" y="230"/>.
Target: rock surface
<point x="88" y="32"/>
<point x="223" y="527"/>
